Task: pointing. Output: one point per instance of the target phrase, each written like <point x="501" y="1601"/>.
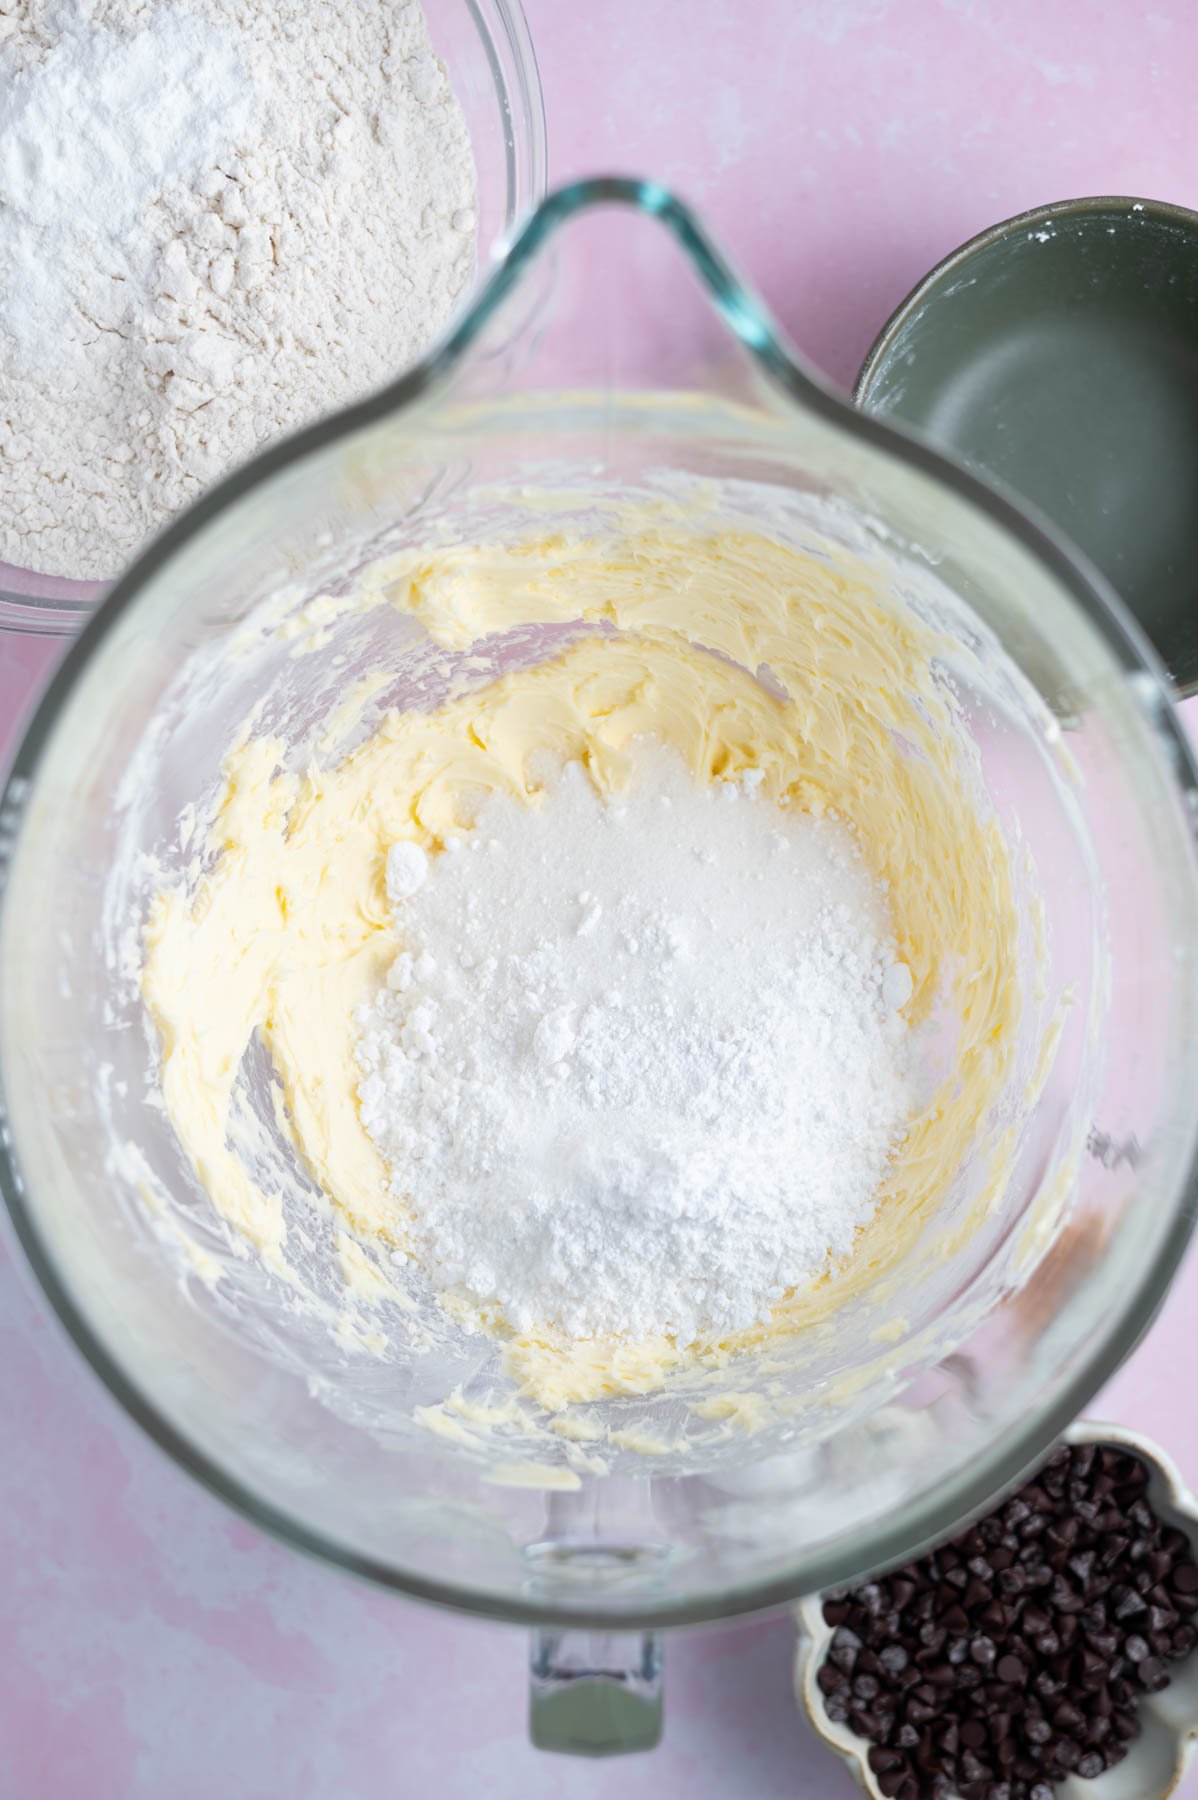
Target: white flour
<point x="218" y="220"/>
<point x="640" y="1067"/>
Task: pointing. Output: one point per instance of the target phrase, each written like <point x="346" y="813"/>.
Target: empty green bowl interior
<point x="1060" y="355"/>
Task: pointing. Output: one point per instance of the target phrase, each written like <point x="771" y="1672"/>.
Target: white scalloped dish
<point x="1156" y="1761"/>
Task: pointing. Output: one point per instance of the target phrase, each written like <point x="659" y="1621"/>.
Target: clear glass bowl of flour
<point x="409" y="1456"/>
<point x="488" y="54"/>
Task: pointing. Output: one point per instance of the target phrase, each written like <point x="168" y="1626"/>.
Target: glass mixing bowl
<point x="614" y="352"/>
<point x="486" y="47"/>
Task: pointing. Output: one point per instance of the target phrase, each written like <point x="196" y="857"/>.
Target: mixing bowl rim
<point x="1022" y="1443"/>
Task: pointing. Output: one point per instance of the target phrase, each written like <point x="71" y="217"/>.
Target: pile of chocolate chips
<point x="1014" y="1657"/>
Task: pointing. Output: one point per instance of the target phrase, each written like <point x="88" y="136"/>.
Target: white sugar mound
<point x="640" y="1065"/>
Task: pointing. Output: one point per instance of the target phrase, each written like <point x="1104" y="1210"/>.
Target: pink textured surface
<point x="155" y="1648"/>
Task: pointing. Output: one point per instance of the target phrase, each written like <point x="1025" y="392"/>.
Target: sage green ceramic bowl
<point x="1057" y="353"/>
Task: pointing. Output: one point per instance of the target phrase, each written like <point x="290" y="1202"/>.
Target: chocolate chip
<point x="829" y="1678"/>
<point x="1153" y="1675"/>
<point x="1011" y="1670"/>
<point x="1130" y="1605"/>
<point x="1015" y="1656"/>
<point x="1064" y="1599"/>
<point x="1068" y="1717"/>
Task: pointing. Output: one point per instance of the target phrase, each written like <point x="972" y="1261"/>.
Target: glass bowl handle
<point x="595" y="1693"/>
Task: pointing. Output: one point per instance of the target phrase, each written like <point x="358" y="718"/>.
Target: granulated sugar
<point x="640" y="1065"/>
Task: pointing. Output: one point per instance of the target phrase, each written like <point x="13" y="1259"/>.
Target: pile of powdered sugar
<point x="218" y="220"/>
<point x="640" y="1066"/>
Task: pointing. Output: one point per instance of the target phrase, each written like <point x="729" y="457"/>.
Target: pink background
<point x="153" y="1647"/>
